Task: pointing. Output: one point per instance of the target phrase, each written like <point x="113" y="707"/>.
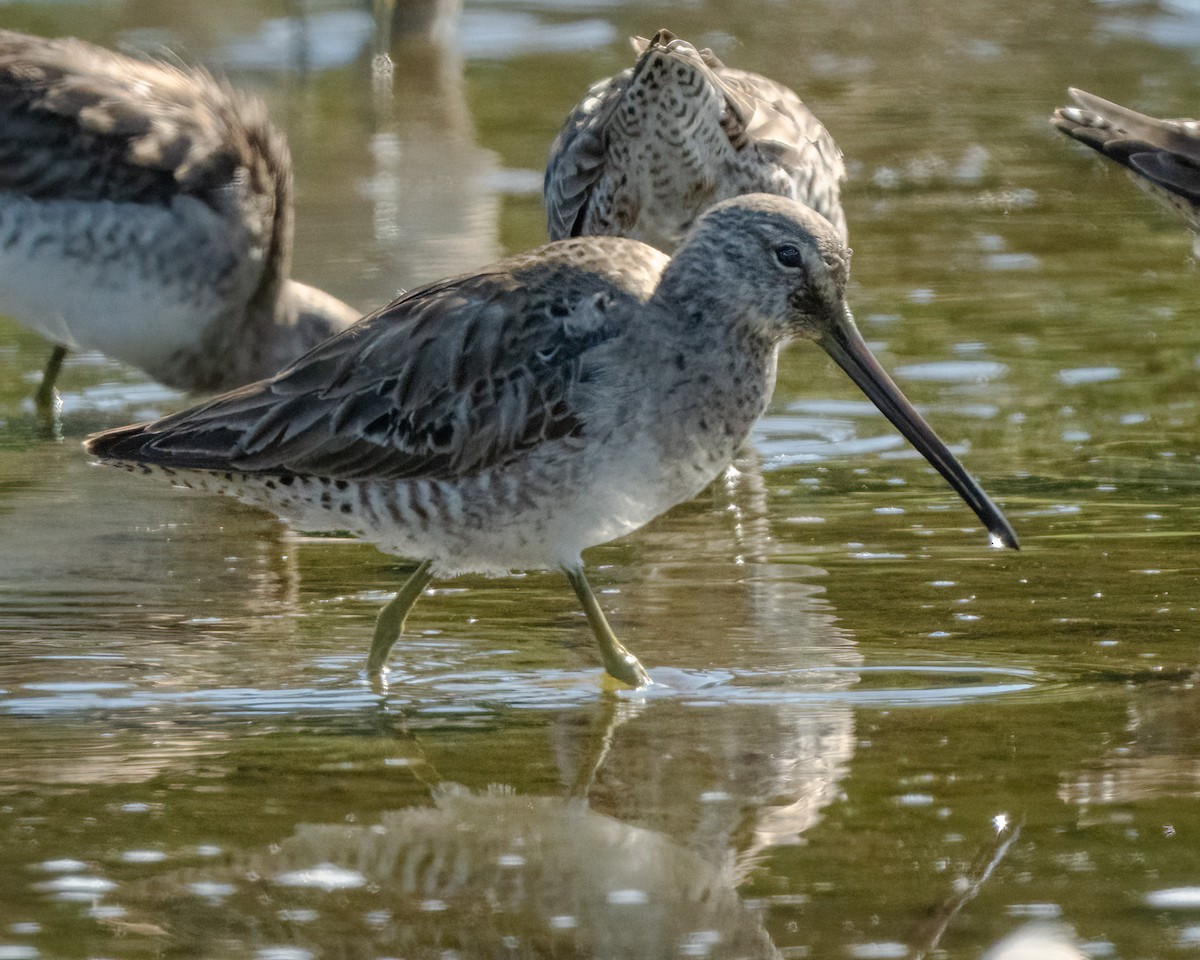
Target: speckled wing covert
<point x="452" y="378"/>
<point x="1164" y="154"/>
<point x="784" y="132"/>
<point x="578" y="157"/>
<point x="78" y="122"/>
<point x="784" y="139"/>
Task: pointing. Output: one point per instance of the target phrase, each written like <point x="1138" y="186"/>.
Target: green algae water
<point x="871" y="735"/>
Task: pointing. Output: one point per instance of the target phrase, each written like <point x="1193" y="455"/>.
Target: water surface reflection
<point x="852" y="688"/>
<point x="654" y="873"/>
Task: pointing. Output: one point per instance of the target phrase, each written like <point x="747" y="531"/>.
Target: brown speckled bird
<point x="645" y="152"/>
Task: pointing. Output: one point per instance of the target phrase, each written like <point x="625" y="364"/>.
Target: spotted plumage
<point x="146" y="212"/>
<point x="646" y="151"/>
<point x="554" y="401"/>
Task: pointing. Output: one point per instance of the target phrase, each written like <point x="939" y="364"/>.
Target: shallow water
<point x="870" y="734"/>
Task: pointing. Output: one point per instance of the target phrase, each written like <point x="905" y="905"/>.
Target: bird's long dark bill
<point x="845" y="344"/>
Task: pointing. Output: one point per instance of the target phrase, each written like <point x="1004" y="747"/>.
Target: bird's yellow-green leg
<point x="618" y="661"/>
<point x="390" y="623"/>
<point x="44" y="398"/>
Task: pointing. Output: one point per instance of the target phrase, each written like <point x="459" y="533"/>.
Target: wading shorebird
<point x="1162" y="156"/>
<point x="146" y="212"/>
<point x="647" y="151"/>
<point x="554" y="401"/>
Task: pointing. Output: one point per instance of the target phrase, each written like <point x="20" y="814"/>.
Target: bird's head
<point x="780" y="269"/>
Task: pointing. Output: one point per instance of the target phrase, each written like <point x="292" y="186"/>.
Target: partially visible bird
<point x="554" y="401"/>
<point x="1162" y="156"/>
<point x="648" y="150"/>
<point x="146" y="212"/>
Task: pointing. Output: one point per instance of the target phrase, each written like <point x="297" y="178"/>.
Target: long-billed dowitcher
<point x="556" y="400"/>
<point x="645" y="152"/>
<point x="1162" y="156"/>
<point x="146" y="212"/>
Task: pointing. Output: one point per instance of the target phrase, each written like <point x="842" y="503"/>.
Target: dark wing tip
<point x="120" y="443"/>
<point x="201" y="446"/>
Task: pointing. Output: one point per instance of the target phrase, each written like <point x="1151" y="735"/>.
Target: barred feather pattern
<point x="463" y="401"/>
<point x="646" y="151"/>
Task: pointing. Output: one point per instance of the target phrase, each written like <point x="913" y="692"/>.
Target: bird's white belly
<point x="542" y="517"/>
<point x="135" y="282"/>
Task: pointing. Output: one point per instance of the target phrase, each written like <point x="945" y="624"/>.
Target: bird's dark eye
<point x="788" y="254"/>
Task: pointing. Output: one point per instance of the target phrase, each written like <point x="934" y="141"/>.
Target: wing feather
<point x="1172" y="172"/>
<point x="81" y="122"/>
<point x="578" y="157"/>
<point x="1165" y="152"/>
<point x="795" y="155"/>
<point x="787" y="134"/>
<point x="450" y="379"/>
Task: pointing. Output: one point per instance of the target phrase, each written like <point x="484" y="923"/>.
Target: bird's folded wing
<point x="448" y="380"/>
<point x="578" y="157"/>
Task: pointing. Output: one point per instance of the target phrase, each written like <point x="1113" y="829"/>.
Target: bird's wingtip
<point x="113" y="444"/>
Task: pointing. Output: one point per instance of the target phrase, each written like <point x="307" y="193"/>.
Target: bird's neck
<point x="699" y="305"/>
<point x="716" y="365"/>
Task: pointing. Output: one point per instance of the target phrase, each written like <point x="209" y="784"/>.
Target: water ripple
<point x="479" y="691"/>
<point x="1078" y="376"/>
<point x="953" y="371"/>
